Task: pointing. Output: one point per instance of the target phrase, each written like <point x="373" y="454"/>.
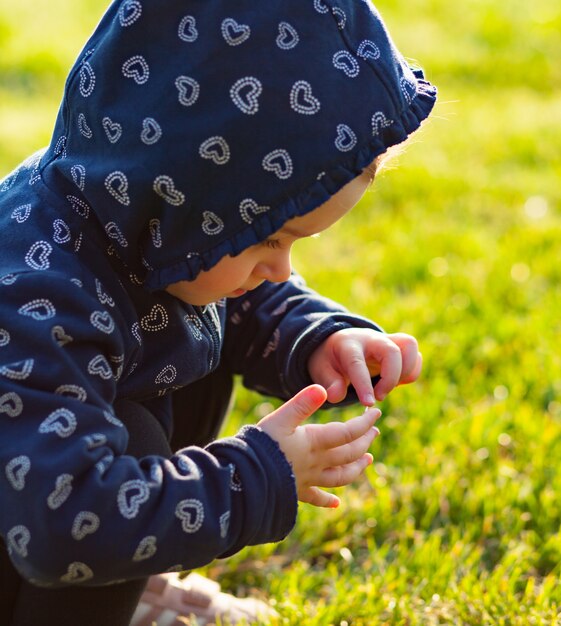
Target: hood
<point x="193" y="129"/>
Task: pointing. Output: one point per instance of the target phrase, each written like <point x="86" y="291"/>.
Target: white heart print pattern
<point x="61" y="231"/>
<point x="155" y="233"/>
<point x="151" y="131"/>
<point x="7" y="183"/>
<point x="87" y="80"/>
<point x="166" y="189"/>
<point x="77" y="572"/>
<point x="320" y="6"/>
<point x="18" y="371"/>
<point x="288" y="37"/>
<point x="18" y="539"/>
<point x="301" y="99"/>
<point x="212" y="224"/>
<point x="245" y="94"/>
<point x="83" y="126"/>
<point x="368" y="50"/>
<point x="21" y="213"/>
<point x="79" y="206"/>
<point x="132" y="495"/>
<point x="216" y="149"/>
<point x="346" y="62"/>
<point x="195" y="325"/>
<point x="62" y="422"/>
<point x="72" y="391"/>
<point x="98" y="366"/>
<point x="129" y="12"/>
<point x="114" y="232"/>
<point x="101" y="295"/>
<point x="112" y="419"/>
<point x="112" y="129"/>
<point x="188" y="90"/>
<point x="191" y="513"/>
<point x="60" y="147"/>
<point x="279" y="162"/>
<point x="340" y="17"/>
<point x="379" y="122"/>
<point x="103" y="321"/>
<point x="60" y="336"/>
<point x="78" y="243"/>
<point x="38" y="255"/>
<point x="11" y="404"/>
<point x="156" y="320"/>
<point x="40" y="309"/>
<point x="4" y="337"/>
<point x="249" y="209"/>
<point x="408" y="89"/>
<point x="8" y="279"/>
<point x="346" y="139"/>
<point x="117" y="185"/>
<point x="61" y="492"/>
<point x="146" y="548"/>
<point x="166" y="376"/>
<point x="137" y="68"/>
<point x="224" y="522"/>
<point x="85" y="523"/>
<point x="78" y="173"/>
<point x="235" y="34"/>
<point x="16" y="471"/>
<point x="187" y="30"/>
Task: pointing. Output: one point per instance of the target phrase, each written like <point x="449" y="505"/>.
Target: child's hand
<point x="321" y="455"/>
<point x="355" y="355"/>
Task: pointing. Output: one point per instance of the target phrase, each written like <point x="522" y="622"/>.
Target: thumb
<point x="296" y="410"/>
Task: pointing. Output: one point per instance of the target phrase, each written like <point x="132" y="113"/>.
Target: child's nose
<point x="277" y="270"/>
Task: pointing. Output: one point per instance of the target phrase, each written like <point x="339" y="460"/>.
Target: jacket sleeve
<point x="272" y="331"/>
<point x="74" y="508"/>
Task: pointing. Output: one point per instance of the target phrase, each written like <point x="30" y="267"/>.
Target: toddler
<point x="146" y="261"/>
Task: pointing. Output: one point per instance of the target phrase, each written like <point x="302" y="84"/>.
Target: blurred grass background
<point x="458" y="521"/>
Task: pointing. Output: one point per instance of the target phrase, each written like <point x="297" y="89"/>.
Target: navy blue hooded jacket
<point x="189" y="130"/>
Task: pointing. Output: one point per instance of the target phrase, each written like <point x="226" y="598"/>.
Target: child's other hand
<point x="321" y="455"/>
<point x="354" y="355"/>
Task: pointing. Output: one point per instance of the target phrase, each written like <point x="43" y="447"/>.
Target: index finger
<point x="335" y="434"/>
<point x="354" y="365"/>
<point x="388" y="355"/>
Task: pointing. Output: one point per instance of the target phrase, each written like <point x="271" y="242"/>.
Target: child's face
<point x="269" y="260"/>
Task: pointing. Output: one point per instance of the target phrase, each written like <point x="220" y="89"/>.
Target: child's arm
<point x="75" y="508"/>
<point x="354" y="356"/>
<point x="273" y="330"/>
<point x="321" y="455"/>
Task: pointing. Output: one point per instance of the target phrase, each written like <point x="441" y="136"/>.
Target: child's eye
<point x="272" y="243"/>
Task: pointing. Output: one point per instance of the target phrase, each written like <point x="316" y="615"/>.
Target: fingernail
<point x="376" y="413"/>
<point x="369" y="400"/>
<point x="376" y="431"/>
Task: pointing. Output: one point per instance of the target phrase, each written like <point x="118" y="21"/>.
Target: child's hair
<point x="381" y="160"/>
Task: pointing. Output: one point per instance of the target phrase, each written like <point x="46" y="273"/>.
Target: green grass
<point x="458" y="521"/>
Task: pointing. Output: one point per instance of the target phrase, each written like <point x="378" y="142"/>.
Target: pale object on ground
<point x="168" y="598"/>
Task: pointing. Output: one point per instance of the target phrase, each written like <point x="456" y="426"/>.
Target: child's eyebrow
<point x="295" y="233"/>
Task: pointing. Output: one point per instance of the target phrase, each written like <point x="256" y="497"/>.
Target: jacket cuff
<point x="281" y="494"/>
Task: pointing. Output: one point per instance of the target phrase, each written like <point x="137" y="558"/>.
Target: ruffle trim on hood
<point x="328" y="183"/>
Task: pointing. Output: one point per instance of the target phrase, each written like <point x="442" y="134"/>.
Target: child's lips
<point x="241" y="291"/>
